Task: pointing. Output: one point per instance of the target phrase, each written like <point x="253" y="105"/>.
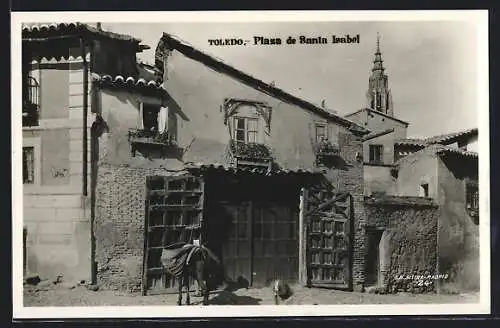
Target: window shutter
<point x="141" y="116"/>
<point x="162" y="119"/>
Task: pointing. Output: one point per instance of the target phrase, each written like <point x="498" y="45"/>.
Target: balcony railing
<point x="150" y="137"/>
<point x="326" y="152"/>
<point x="326" y="148"/>
<point x="143" y="139"/>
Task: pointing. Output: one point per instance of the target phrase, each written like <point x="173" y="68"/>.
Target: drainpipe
<point x="85" y="114"/>
<point x="85" y="158"/>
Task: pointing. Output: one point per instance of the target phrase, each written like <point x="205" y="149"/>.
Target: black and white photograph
<point x="295" y="163"/>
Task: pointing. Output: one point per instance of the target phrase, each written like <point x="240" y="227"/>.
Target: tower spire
<point x="378" y="62"/>
<point x="378" y="42"/>
<point x="379" y="95"/>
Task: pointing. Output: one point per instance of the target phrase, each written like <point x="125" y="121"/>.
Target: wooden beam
<point x="302" y="239"/>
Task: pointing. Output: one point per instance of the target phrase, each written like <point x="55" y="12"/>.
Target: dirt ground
<point x="81" y="296"/>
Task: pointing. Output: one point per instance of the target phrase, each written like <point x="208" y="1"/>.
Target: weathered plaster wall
<point x="378" y="179"/>
<point x="458" y="234"/>
<point x="121" y="112"/>
<point x="410" y="243"/>
<point x="195" y="117"/>
<point x="374" y="122"/>
<point x="415" y="169"/>
<point x="197" y="94"/>
<point x="121" y="190"/>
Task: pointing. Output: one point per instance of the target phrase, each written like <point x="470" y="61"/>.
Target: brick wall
<point x="119" y="225"/>
<point x="409" y="244"/>
<point x="350" y="178"/>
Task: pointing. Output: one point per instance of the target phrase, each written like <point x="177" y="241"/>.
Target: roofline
<point x="439" y="150"/>
<point x="377" y="112"/>
<point x="353" y="113"/>
<point x="377" y="134"/>
<point x="457" y="152"/>
<point x="76" y="29"/>
<point x="219" y="66"/>
<point x="452" y="137"/>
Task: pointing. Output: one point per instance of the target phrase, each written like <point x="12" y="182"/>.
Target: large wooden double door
<point x="262" y="242"/>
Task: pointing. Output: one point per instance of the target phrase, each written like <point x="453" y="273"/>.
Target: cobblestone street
<point x="80" y="296"/>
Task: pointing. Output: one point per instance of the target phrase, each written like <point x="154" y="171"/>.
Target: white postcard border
<point x="478" y="17"/>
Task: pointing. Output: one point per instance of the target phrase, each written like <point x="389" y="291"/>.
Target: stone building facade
<point x="439" y="167"/>
<point x="242" y="153"/>
<point x="58" y="60"/>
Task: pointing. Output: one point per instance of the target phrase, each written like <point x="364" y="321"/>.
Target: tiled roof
<point x="127" y="82"/>
<point x="45" y="30"/>
<point x="410" y="142"/>
<point x="443" y="139"/>
<point x="451" y="137"/>
<point x="456" y="151"/>
<point x="252" y="170"/>
<point x="169" y="42"/>
<point x="437" y="149"/>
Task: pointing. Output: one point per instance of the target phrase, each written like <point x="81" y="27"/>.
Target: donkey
<point x="185" y="261"/>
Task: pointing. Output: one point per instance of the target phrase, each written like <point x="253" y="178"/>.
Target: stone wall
<point x="409" y="241"/>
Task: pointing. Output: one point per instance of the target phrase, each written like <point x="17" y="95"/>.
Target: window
<point x="31" y="98"/>
<point x="472" y="198"/>
<point x="29" y="165"/>
<point x="321" y="132"/>
<point x="246" y="129"/>
<point x="379" y="100"/>
<point x="376" y="153"/>
<point x="150" y="117"/>
<point x="424" y="190"/>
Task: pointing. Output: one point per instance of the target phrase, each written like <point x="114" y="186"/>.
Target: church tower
<point x="379" y="95"/>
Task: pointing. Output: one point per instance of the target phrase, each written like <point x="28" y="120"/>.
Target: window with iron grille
<point x="29" y="165"/>
<point x="31" y="101"/>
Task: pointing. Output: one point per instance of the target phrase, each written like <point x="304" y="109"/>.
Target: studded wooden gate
<point x="329" y="239"/>
<point x="174" y="213"/>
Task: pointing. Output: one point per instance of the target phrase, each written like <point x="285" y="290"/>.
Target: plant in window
<point x="250" y="150"/>
<point x="327" y="148"/>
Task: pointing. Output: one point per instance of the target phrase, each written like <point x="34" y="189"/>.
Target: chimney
<point x="98" y="25"/>
<point x="323" y="105"/>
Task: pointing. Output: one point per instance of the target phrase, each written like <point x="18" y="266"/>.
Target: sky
<point x="432" y="66"/>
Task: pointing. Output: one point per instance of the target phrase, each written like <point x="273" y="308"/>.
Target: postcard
<point x="242" y="164"/>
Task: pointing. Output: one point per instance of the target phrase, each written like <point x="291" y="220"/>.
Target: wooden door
<point x="236" y="251"/>
<point x="373" y="257"/>
<point x="329" y="242"/>
<point x="174" y="213"/>
<point x="275" y="243"/>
